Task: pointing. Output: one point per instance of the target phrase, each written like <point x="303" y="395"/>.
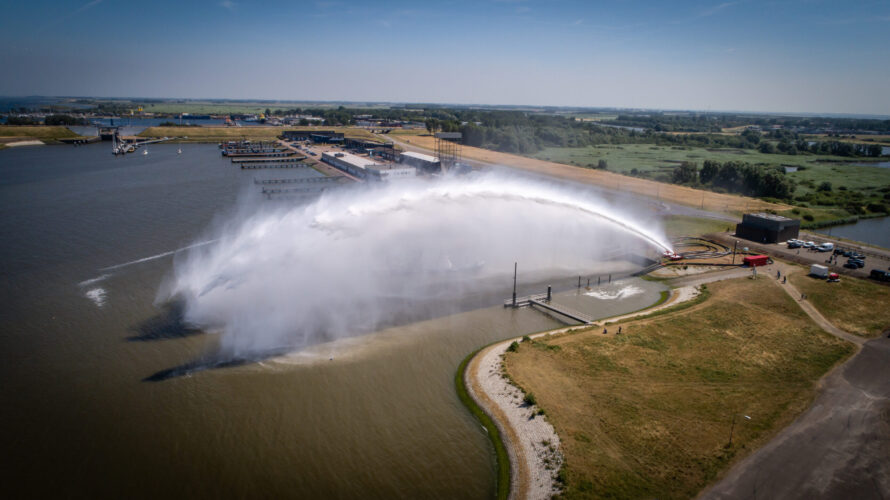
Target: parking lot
<point x="873" y="258"/>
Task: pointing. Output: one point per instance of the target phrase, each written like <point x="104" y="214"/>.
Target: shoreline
<point x="527" y="439"/>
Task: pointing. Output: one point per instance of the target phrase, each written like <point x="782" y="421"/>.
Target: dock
<point x="541" y="300"/>
<point x="311" y="180"/>
<point x="284" y="159"/>
<point x="260" y="166"/>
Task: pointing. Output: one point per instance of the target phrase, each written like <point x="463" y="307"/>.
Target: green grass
<point x="651" y="160"/>
<point x="855" y="305"/>
<point x="647" y="414"/>
<point x="683" y="225"/>
<point x="40" y="132"/>
<point x="501" y="457"/>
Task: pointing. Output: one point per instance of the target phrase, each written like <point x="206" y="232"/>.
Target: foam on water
<point x="97" y="295"/>
<point x="622" y="293"/>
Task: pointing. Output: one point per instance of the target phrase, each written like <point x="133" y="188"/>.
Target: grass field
<point x="855" y="305"/>
<point x="683" y="225"/>
<point x="648" y="414"/>
<point x="43" y="133"/>
<point x="215" y="134"/>
<point x="651" y="161"/>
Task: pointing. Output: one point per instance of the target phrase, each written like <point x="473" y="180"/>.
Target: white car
<point x="825" y="247"/>
<point x="809" y="244"/>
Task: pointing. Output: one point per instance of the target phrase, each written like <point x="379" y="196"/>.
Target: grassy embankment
<point x="707" y="200"/>
<point x="684" y="225"/>
<point x="216" y="134"/>
<point x="854" y="305"/>
<point x="501" y="458"/>
<point x="648" y="413"/>
<point x="51" y="134"/>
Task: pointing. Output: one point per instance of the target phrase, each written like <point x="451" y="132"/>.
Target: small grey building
<point x="767" y="228"/>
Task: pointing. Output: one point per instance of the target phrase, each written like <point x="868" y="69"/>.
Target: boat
<point x="144" y="152"/>
<point x="179" y="151"/>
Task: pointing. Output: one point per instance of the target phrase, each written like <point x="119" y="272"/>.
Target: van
<point x="819" y="271"/>
<point x="880" y="275"/>
<point x="825" y="247"/>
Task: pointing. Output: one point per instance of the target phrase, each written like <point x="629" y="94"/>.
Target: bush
<point x="808" y="217"/>
<point x="825" y="186"/>
<point x="526" y="338"/>
<point x="514" y="346"/>
<point x="529" y="399"/>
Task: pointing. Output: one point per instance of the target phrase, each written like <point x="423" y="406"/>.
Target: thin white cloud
<point x="577" y="22"/>
<point x="87" y="6"/>
<point x="228" y="5"/>
<point x="715" y="9"/>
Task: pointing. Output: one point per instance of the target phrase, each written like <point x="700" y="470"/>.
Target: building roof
<point x="774" y="217"/>
<point x="421" y="156"/>
<point x="355" y="161"/>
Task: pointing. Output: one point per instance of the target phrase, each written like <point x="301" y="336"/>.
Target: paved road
<point x="840" y="447"/>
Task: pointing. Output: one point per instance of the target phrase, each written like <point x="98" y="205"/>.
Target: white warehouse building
<point x="421" y="161"/>
<point x="366" y="168"/>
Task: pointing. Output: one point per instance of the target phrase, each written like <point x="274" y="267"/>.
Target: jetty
<point x="543" y="301"/>
<point x="311" y="180"/>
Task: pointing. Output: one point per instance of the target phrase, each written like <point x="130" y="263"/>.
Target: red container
<point x="756" y="260"/>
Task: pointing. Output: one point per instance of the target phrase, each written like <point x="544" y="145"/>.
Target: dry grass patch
<point x="854" y="305"/>
<point x="670" y="192"/>
<point x="647" y="414"/>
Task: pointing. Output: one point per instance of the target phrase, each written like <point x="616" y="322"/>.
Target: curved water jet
<point x="358" y="259"/>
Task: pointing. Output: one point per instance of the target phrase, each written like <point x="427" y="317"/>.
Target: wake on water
<point x="277" y="278"/>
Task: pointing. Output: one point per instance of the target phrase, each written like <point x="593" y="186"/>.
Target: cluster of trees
<point x="714" y="122"/>
<point x="64" y="120"/>
<point x="736" y="177"/>
<point x="21" y="120"/>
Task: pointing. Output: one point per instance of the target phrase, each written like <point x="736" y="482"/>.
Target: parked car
<point x="880" y="275"/>
<point x="848" y="253"/>
<point x="855" y="264"/>
<point x="825" y="247"/>
<point x="809" y="244"/>
<point x="794" y="244"/>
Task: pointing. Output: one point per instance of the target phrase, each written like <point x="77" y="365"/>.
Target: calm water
<point x="873" y="231"/>
<point x="371" y="417"/>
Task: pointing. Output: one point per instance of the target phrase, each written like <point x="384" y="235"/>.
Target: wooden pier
<point x="285" y="159"/>
<point x="255" y="154"/>
<point x="542" y="301"/>
<point x="262" y="166"/>
<point x="311" y="180"/>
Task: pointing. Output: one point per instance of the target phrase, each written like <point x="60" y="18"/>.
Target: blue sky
<point x="783" y="56"/>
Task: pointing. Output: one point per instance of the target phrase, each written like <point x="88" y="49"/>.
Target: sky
<point x="801" y="56"/>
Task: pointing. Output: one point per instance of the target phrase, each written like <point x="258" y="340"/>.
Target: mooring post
<point x="548" y="293"/>
<point x="579" y="282"/>
<point x="598" y="280"/>
<point x="610" y="278"/>
<point x="515" y="267"/>
<point x="588" y="282"/>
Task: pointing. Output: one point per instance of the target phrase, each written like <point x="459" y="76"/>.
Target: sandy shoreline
<point x="531" y="442"/>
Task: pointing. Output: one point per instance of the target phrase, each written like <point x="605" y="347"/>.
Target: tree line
<point x="736" y="177"/>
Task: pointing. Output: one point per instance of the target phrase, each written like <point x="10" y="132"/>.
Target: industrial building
<point x="316" y="136"/>
<point x="366" y="168"/>
<point x="767" y="228"/>
<point x="421" y="161"/>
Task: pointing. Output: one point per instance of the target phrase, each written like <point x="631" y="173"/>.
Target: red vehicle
<point x="756" y="260"/>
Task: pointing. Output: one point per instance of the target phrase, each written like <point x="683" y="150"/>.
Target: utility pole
<point x="733" y="251"/>
<point x="515" y="268"/>
<point x="731" y="429"/>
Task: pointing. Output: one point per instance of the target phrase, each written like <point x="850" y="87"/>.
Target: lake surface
<point x="87" y="243"/>
<point x="873" y="231"/>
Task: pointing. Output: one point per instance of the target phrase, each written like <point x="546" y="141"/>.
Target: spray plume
<point x="281" y="278"/>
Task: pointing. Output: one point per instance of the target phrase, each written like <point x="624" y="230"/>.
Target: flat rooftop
<point x="351" y="159"/>
<point x="778" y="218"/>
<point x="421" y="156"/>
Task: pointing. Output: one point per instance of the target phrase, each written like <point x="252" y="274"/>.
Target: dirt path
<point x="839" y="448"/>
